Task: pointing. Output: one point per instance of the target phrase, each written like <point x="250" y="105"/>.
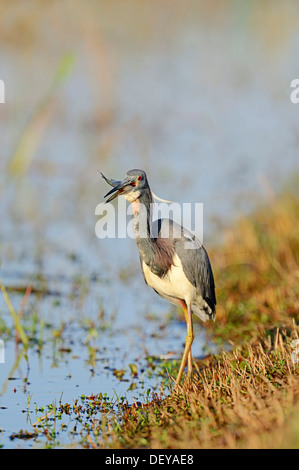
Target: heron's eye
<point x="139" y="178"/>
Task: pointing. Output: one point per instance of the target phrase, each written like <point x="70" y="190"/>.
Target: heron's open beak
<point x="119" y="187"/>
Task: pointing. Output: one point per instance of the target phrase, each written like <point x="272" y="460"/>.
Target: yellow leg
<point x="187" y="351"/>
<point x="190" y="367"/>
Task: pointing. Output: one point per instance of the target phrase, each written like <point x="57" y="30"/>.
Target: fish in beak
<point x="111" y="182"/>
<point x="119" y="187"/>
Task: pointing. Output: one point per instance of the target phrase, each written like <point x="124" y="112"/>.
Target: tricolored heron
<point x="173" y="261"/>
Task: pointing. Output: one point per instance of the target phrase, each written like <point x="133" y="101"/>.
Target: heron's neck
<point x="142" y="214"/>
<point x="157" y="253"/>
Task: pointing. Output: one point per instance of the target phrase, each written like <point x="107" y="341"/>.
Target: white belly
<point x="174" y="284"/>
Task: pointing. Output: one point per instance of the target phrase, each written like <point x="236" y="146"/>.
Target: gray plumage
<point x="173" y="261"/>
<point x="194" y="259"/>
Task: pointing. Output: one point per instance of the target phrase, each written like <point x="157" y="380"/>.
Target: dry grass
<point x="247" y="397"/>
<point x="257" y="272"/>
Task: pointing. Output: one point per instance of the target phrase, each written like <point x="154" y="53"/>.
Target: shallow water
<point x="201" y="102"/>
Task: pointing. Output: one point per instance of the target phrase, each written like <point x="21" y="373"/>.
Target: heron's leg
<point x="187" y="351"/>
<point x="183" y="304"/>
<point x="189" y="354"/>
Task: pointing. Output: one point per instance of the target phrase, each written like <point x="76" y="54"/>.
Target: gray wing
<point x="196" y="265"/>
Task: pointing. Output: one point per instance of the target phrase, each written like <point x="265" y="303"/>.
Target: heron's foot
<point x="186" y="377"/>
<point x="189" y="374"/>
<point x="187" y="358"/>
<point x="186" y="382"/>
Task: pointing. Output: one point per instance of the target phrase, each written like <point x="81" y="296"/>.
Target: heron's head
<point x="133" y="186"/>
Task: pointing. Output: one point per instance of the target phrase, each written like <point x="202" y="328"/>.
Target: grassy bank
<point x="247" y="396"/>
